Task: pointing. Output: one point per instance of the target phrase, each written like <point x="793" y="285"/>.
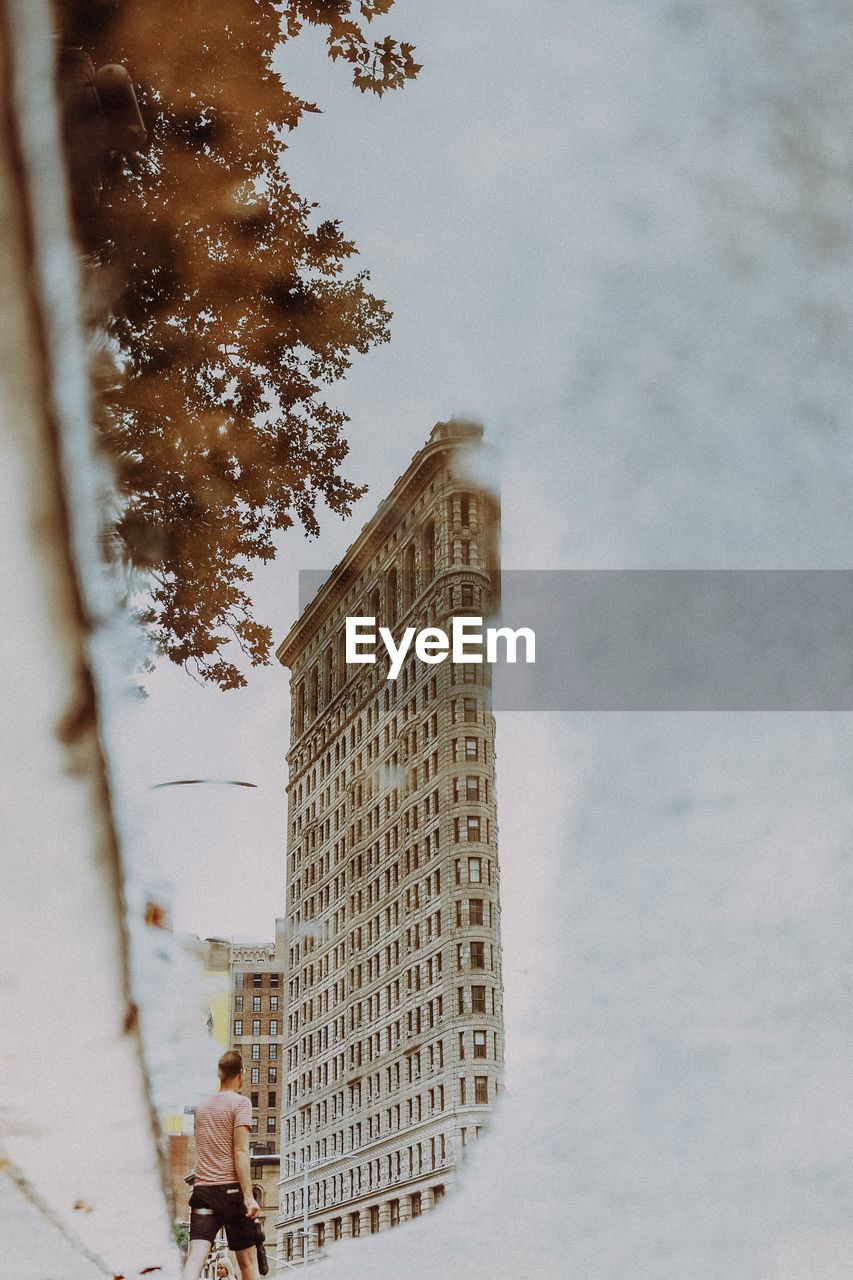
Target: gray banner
<point x="673" y="640"/>
<point x="670" y="640"/>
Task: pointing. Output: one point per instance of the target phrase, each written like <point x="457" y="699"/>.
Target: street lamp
<point x="306" y="1166"/>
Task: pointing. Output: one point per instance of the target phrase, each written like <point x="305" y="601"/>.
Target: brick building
<point x="393" y="1039"/>
<point x="254" y="1000"/>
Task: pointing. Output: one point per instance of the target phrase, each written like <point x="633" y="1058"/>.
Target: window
<point x="478" y="957"/>
<point x="355" y="1220"/>
<point x="256" y="1052"/>
<point x="273" y="1004"/>
<point x="470" y="710"/>
<point x="238" y="1026"/>
<point x="257" y="979"/>
<point x="272" y="1072"/>
<point x="475" y="910"/>
<point x="256" y="1026"/>
<point x="472" y="748"/>
<point x="256" y="1075"/>
<point x="274" y="980"/>
<point x="416" y="1204"/>
<point x="467" y="595"/>
<point x="272" y="1098"/>
<point x="273" y="1052"/>
<point x="270" y="1124"/>
<point x="238" y="1004"/>
<point x="472" y="788"/>
<point x="253" y="1098"/>
<point x="472" y="827"/>
<point x="481" y="1089"/>
<point x="478" y="1000"/>
<point x="409" y="585"/>
<point x="394" y="1206"/>
<point x="460" y="998"/>
<point x="479" y="1044"/>
<point x="337" y="1228"/>
<point x="475" y="870"/>
<point x="391" y="596"/>
<point x="274" y="1023"/>
<point x="254" y="1125"/>
<point x="461" y="1046"/>
<point x="374" y="1219"/>
<point x="256" y="1004"/>
<point x="462" y="1091"/>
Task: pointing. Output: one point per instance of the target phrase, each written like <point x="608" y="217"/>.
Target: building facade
<point x="393" y="1039"/>
<point x="255" y="1028"/>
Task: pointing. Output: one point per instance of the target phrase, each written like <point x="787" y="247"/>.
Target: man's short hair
<point x="230" y="1065"/>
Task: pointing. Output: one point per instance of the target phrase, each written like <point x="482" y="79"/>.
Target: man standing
<point x="222" y="1192"/>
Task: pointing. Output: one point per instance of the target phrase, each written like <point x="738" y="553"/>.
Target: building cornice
<point x="445" y="437"/>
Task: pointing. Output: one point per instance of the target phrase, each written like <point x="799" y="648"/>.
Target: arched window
<point x="374" y="607"/>
<point x="342" y="660"/>
<point x="314" y="694"/>
<point x="464" y="509"/>
<point x="409" y="587"/>
<point x="391" y="595"/>
<point x="328" y="683"/>
<point x="258" y="1194"/>
<point x="428" y="556"/>
<point x="300" y="707"/>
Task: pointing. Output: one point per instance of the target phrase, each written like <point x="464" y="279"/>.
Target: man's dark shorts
<point x="213" y="1207"/>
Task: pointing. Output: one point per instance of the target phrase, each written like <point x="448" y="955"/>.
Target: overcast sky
<point x="619" y="246"/>
<point x="619" y="235"/>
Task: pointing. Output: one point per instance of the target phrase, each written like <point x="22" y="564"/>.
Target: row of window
<point x="270" y="1102"/>
<point x="271" y="1124"/>
<point x="294" y="1248"/>
<point x="256" y="1027"/>
<point x="405" y="1070"/>
<point x="479" y="1044"/>
<point x="388" y="696"/>
<point x="470" y="749"/>
<point x="255" y="1055"/>
<point x="372" y="1048"/>
<point x="383" y="1123"/>
<point x="258" y="979"/>
<point x="255" y="1075"/>
<point x="473" y="954"/>
<point x="406" y="1162"/>
<point x="380" y="1125"/>
<point x="468" y="710"/>
<point x="256" y="1003"/>
<point x="392" y="596"/>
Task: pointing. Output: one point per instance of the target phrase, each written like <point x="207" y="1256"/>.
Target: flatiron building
<point x="393" y="1033"/>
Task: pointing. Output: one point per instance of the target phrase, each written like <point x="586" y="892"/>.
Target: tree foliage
<point x="233" y="309"/>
